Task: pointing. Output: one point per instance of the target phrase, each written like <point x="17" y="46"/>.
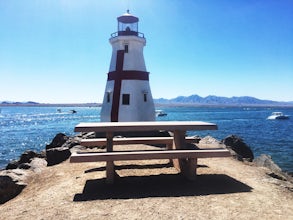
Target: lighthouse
<point x="127" y="95"/>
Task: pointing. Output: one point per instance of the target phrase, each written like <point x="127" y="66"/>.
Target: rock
<point x="275" y="171"/>
<point x="71" y="142"/>
<point x="12" y="182"/>
<point x="57" y="141"/>
<point x="197" y="139"/>
<point x="24" y="166"/>
<point x="28" y="155"/>
<point x="210" y="142"/>
<point x="266" y="161"/>
<point x="57" y="155"/>
<point x="38" y="164"/>
<point x="77" y="148"/>
<point x="12" y="165"/>
<point x="238" y="148"/>
<point x="88" y="135"/>
<point x="24" y="160"/>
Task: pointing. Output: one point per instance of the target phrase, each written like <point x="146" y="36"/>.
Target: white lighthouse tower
<point x="127" y="95"/>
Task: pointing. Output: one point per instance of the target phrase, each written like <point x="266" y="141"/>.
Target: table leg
<point x="191" y="166"/>
<point x="178" y="143"/>
<point x="186" y="166"/>
<point x="110" y="169"/>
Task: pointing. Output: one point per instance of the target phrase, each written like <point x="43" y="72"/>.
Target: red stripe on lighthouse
<point x="128" y="75"/>
<point x="117" y="87"/>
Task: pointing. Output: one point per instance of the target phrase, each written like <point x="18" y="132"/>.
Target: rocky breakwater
<point x="242" y="152"/>
<point x="18" y="173"/>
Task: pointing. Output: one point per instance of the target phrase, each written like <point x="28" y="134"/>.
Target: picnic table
<point x="185" y="160"/>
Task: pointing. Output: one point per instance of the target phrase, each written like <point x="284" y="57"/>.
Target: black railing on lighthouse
<point x="127" y="33"/>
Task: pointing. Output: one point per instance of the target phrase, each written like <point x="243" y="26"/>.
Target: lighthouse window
<point x="145" y="97"/>
<point x="108" y="97"/>
<point x="125" y="99"/>
<point x="126" y="48"/>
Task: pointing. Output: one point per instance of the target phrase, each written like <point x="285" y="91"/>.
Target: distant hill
<point x="210" y="100"/>
<point x="19" y="103"/>
<point x="30" y="103"/>
<point x="218" y="100"/>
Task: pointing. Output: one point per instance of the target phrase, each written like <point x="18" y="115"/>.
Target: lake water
<point x="24" y="128"/>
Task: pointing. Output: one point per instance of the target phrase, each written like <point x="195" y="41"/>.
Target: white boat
<point x="160" y="113"/>
<point x="278" y="115"/>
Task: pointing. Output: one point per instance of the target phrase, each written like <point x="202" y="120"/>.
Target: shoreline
<point x="288" y="105"/>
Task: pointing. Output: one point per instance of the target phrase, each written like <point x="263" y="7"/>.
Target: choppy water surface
<point x="32" y="128"/>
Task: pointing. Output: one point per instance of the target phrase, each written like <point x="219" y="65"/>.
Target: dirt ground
<point x="224" y="189"/>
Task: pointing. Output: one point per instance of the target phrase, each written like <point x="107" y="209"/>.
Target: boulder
<point x="57" y="141"/>
<point x="71" y="142"/>
<point x="266" y="161"/>
<point x="27" y="156"/>
<point x="24" y="160"/>
<point x="24" y="166"/>
<point x="57" y="155"/>
<point x="90" y="135"/>
<point x="38" y="164"/>
<point x="12" y="165"/>
<point x="77" y="148"/>
<point x="210" y="142"/>
<point x="275" y="171"/>
<point x="197" y="139"/>
<point x="238" y="148"/>
<point x="12" y="182"/>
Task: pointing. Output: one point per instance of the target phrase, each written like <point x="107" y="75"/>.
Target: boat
<point x="73" y="111"/>
<point x="160" y="113"/>
<point x="278" y="115"/>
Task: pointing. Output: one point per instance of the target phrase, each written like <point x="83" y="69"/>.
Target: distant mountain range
<point x="210" y="100"/>
<point x="18" y="103"/>
<point x="218" y="100"/>
<point x="30" y="103"/>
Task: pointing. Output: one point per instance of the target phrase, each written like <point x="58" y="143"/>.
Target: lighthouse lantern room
<point x="127" y="95"/>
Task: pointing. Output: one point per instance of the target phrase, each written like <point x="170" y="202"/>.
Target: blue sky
<point x="57" y="51"/>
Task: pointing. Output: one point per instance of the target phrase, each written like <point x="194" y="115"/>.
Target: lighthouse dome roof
<point x="127" y="18"/>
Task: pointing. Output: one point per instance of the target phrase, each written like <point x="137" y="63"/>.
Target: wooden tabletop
<point x="144" y="126"/>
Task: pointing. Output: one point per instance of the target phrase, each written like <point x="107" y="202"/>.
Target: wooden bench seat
<point x="133" y="140"/>
<point x="186" y="159"/>
<point x="147" y="155"/>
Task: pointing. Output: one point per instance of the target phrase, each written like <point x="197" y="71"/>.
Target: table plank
<point x="144" y="126"/>
<point x="148" y="155"/>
